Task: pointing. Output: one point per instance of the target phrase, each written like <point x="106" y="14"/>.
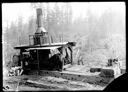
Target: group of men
<point x="17" y="66"/>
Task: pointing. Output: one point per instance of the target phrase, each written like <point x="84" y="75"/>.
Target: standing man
<point x="80" y="60"/>
<point x="79" y="57"/>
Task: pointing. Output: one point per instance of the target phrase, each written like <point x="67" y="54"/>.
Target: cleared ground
<point x="36" y="82"/>
<point x="47" y="83"/>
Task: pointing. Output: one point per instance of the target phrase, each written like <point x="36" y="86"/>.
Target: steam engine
<point x="41" y="53"/>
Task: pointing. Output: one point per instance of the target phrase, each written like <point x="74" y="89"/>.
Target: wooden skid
<point x="68" y="75"/>
<point x="65" y="74"/>
<point x="74" y="76"/>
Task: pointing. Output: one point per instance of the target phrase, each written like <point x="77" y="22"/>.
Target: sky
<point x="11" y="11"/>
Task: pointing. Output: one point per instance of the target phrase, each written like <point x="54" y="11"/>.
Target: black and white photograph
<point x="62" y="46"/>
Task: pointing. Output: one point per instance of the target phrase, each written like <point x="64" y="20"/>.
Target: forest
<point x="97" y="38"/>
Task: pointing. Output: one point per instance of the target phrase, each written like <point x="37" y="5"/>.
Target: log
<point x="95" y="70"/>
<point x="111" y="72"/>
<point x="107" y="73"/>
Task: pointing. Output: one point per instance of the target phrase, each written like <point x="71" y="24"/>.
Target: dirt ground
<point x="37" y="83"/>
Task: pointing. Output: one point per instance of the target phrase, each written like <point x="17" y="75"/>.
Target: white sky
<point x="97" y="8"/>
<point x="11" y="11"/>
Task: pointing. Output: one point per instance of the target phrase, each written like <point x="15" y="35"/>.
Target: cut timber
<point x="107" y="72"/>
<point x="95" y="70"/>
<point x="110" y="72"/>
<point x="75" y="76"/>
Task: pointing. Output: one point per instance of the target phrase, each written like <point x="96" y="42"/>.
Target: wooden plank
<point x="45" y="45"/>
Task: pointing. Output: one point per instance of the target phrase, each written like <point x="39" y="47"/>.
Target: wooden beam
<point x="71" y="55"/>
<point x="38" y="61"/>
<point x="21" y="59"/>
<point x="29" y="40"/>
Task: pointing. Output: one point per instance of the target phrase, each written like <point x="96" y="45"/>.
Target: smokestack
<point x="41" y="35"/>
<point x="39" y="17"/>
<point x="40" y="27"/>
